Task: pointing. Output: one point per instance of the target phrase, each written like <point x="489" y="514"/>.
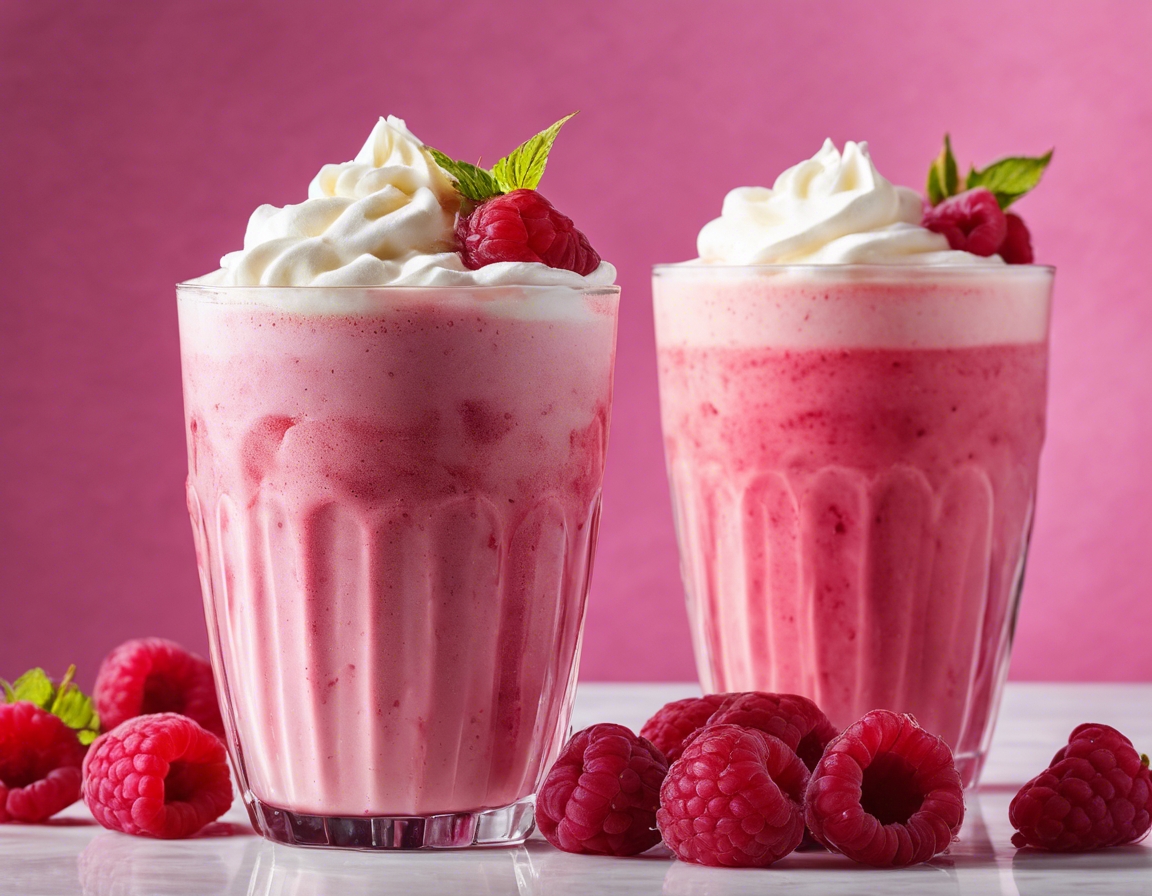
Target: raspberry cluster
<point x="974" y="222"/>
<point x="747" y="775"/>
<point x="159" y="769"/>
<point x="751" y="776"/>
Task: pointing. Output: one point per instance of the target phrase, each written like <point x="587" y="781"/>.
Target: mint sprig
<point x="1010" y="178"/>
<point x="943" y="176"/>
<point x="1007" y="179"/>
<point x="66" y="701"/>
<point x="521" y="169"/>
<point x="472" y="181"/>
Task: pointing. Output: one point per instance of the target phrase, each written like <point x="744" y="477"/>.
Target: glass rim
<point x="191" y="286"/>
<point x="877" y="269"/>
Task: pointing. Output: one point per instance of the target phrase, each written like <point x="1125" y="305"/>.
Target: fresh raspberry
<point x="1017" y="245"/>
<point x="157" y="776"/>
<point x="886" y="793"/>
<point x="1097" y="792"/>
<point x="794" y="719"/>
<point x="40" y="761"/>
<point x="675" y="721"/>
<point x="735" y="797"/>
<point x="601" y="795"/>
<point x="972" y="221"/>
<point x="152" y="675"/>
<point x="523" y="226"/>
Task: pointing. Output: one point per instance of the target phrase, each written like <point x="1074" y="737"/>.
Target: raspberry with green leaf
<point x="64" y="700"/>
<point x="44" y="731"/>
<point x="506" y="219"/>
<point x="971" y="212"/>
<point x="40" y="760"/>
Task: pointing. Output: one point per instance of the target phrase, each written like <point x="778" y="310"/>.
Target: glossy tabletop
<point x="73" y="855"/>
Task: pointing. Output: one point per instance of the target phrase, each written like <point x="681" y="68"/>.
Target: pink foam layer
<point x="860" y="307"/>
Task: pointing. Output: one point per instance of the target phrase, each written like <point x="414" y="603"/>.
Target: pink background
<point x="136" y="138"/>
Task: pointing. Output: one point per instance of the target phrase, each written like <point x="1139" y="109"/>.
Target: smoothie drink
<point x="852" y="448"/>
<point x="395" y="493"/>
<point x="394" y="513"/>
<point x="853" y="457"/>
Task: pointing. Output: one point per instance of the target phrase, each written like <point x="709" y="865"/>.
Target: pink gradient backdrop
<point x="136" y="138"/>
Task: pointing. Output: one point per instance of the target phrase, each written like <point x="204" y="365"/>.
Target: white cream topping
<point x="831" y="209"/>
<point x="383" y="219"/>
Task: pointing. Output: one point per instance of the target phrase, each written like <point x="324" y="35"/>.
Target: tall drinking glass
<point x="853" y="455"/>
<point x="395" y="495"/>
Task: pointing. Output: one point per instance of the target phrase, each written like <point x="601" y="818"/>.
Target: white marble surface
<point x="73" y="855"/>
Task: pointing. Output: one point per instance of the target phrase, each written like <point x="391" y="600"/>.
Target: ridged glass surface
<point x="853" y="457"/>
<point x="311" y="613"/>
<point x="913" y="607"/>
<point x="395" y="510"/>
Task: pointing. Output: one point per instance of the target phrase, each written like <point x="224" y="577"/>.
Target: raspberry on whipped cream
<point x="971" y="211"/>
<point x="523" y="226"/>
<point x="385" y="218"/>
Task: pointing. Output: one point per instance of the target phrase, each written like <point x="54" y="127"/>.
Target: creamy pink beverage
<point x="395" y="511"/>
<point x="853" y="410"/>
<point x="397" y="418"/>
<point x="853" y="456"/>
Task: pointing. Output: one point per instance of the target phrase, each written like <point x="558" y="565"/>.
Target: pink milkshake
<point x="852" y="451"/>
<point x="395" y="512"/>
<point x="395" y="494"/>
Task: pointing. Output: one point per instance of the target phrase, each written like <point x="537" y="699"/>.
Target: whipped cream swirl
<point x="383" y="219"/>
<point x="831" y="209"/>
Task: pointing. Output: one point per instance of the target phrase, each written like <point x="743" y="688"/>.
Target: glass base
<point x="505" y="826"/>
<point x="970" y="765"/>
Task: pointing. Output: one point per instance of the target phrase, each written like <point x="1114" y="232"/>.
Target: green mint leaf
<point x="951" y="174"/>
<point x="935" y="189"/>
<point x="522" y="168"/>
<point x="34" y="686"/>
<point x="943" y="176"/>
<point x="472" y="181"/>
<point x="74" y="708"/>
<point x="1010" y="178"/>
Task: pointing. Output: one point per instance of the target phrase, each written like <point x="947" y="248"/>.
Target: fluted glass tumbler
<point x="853" y="453"/>
<point x="395" y="495"/>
